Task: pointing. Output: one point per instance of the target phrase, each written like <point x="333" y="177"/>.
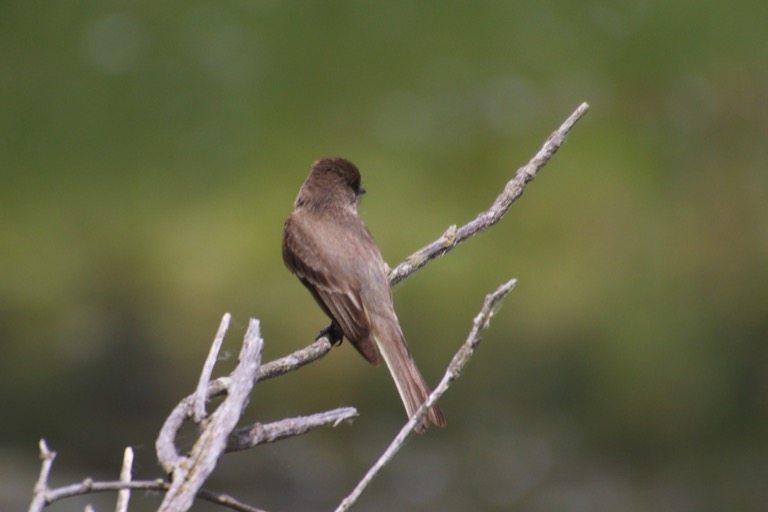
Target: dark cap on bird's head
<point x="331" y="179"/>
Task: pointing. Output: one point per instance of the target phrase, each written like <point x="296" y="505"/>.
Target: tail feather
<point x="408" y="380"/>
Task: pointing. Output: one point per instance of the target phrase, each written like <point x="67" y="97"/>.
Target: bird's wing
<point x="328" y="271"/>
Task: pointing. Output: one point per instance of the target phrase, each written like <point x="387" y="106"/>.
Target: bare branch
<point x="261" y="433"/>
<point x="276" y="368"/>
<point x="191" y="473"/>
<point x="205" y="376"/>
<point x="124" y="496"/>
<point x="226" y="501"/>
<point x="458" y="363"/>
<point x="296" y="360"/>
<point x="165" y="445"/>
<point x="512" y="191"/>
<point x="40" y="498"/>
<point x="89" y="486"/>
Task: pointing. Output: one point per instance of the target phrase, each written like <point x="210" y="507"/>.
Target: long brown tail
<point x="409" y="381"/>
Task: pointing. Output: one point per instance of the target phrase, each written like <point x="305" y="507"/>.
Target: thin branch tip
<point x="507" y="287"/>
<point x="577" y="114"/>
<point x="45" y="452"/>
<point x="203" y="384"/>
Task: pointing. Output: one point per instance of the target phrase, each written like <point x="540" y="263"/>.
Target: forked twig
<point x="190" y="473"/>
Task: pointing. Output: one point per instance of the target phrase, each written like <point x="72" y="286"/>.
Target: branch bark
<point x="124" y="495"/>
<point x="201" y="395"/>
<point x="40" y="497"/>
<point x="190" y="472"/>
<point x="261" y="433"/>
<point x="514" y="188"/>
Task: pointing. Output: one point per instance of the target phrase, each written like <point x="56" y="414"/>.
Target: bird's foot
<point x="333" y="333"/>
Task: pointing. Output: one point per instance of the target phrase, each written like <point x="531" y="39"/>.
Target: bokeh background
<point x="149" y="153"/>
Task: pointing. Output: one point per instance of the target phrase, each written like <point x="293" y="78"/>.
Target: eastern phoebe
<point x="329" y="248"/>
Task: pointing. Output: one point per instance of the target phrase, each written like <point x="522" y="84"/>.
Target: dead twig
<point x="189" y="474"/>
<point x="260" y="433"/>
<point x="459" y="361"/>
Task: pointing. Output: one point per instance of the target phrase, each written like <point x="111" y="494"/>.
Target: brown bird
<point x="329" y="248"/>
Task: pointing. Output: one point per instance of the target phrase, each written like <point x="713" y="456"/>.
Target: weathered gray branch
<point x="190" y="472"/>
<point x="124" y="495"/>
<point x="40" y="496"/>
<point x="453" y="236"/>
<point x="89" y="486"/>
<point x="459" y="361"/>
<point x="201" y="395"/>
<point x="261" y="433"/>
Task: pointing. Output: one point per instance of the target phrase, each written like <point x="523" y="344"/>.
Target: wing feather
<point x="318" y="266"/>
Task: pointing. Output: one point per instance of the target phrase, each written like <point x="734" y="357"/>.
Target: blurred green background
<point x="149" y="153"/>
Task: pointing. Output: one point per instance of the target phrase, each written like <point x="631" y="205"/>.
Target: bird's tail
<point x="409" y="381"/>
